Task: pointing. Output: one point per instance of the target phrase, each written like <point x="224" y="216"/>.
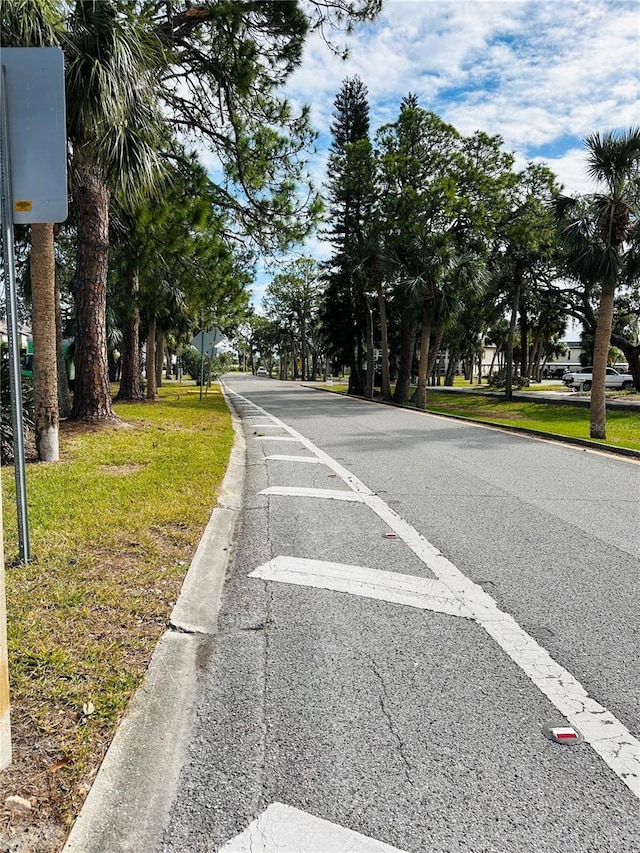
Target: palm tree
<point x="114" y="124"/>
<point x="446" y="273"/>
<point x="600" y="236"/>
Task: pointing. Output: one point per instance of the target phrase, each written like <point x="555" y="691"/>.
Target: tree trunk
<point x="64" y="401"/>
<point x="304" y="352"/>
<point x="369" y="381"/>
<point x="433" y="353"/>
<point x="598" y="409"/>
<point x="407" y="346"/>
<point x="451" y="369"/>
<point x="356" y="378"/>
<point x="152" y="390"/>
<point x="420" y="395"/>
<point x="524" y="341"/>
<point x="385" y="387"/>
<point x="45" y="367"/>
<point x="493" y="358"/>
<point x="159" y="356"/>
<point x="508" y="388"/>
<point x="130" y="384"/>
<point x="92" y="392"/>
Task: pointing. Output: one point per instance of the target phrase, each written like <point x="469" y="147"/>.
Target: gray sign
<point x="34" y="92"/>
<point x="207" y="339"/>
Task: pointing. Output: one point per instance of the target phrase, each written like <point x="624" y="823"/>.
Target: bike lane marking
<point x="607" y="735"/>
<point x="284" y="829"/>
<point x="411" y="590"/>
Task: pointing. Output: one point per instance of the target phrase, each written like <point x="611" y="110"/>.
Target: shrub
<point x="499" y="380"/>
<point x="6" y="422"/>
<point x="191" y="364"/>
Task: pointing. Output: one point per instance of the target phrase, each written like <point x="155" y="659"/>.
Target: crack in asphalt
<point x="384" y="697"/>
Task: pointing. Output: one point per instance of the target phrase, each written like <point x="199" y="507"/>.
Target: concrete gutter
<point x="129" y="804"/>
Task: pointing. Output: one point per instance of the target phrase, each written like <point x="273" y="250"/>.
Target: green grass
<point x="113" y="527"/>
<point x="623" y="428"/>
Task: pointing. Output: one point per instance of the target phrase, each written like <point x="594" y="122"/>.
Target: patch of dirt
<point x="71" y="429"/>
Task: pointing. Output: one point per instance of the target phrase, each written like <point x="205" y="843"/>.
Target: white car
<point x="582" y="380"/>
<point x="262" y="371"/>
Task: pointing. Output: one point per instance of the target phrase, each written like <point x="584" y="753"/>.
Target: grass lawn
<point x="623" y="428"/>
<point x="113" y="527"/>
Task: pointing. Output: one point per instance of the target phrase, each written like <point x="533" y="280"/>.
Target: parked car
<point x="262" y="371"/>
<point x="582" y="380"/>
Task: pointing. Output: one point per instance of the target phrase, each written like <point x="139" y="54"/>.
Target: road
<point x="405" y="700"/>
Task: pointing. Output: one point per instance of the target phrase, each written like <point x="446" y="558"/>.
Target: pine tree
<point x="345" y="314"/>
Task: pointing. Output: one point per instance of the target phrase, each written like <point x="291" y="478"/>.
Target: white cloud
<point x="541" y="73"/>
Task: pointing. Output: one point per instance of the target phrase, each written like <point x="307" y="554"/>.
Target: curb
<point x="129" y="804"/>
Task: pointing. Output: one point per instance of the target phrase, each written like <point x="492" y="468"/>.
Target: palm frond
<point x="114" y="117"/>
<point x="30" y="23"/>
<point x="612" y="157"/>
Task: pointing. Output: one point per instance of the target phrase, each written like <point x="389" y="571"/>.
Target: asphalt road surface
<point x="411" y="601"/>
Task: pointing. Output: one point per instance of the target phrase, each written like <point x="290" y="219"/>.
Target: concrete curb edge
<point x="129" y="804"/>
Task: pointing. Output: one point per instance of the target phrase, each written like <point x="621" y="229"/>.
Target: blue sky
<point x="541" y="74"/>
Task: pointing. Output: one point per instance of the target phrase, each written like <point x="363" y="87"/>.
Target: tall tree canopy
<point x="138" y="74"/>
<point x="600" y="234"/>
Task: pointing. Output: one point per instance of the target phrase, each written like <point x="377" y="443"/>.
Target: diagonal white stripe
<point x="302" y="492"/>
<point x="425" y="593"/>
<point x="283" y="829"/>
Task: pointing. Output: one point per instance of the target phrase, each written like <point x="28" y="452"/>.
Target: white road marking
<point x="398" y="588"/>
<point x="282" y="458"/>
<point x="303" y="492"/>
<point x="609" y="738"/>
<point x="274" y="437"/>
<point x="353" y="482"/>
<point x="283" y="829"/>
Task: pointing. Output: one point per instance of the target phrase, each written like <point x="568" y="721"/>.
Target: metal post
<point x="201" y="362"/>
<point x="5" y="708"/>
<point x="11" y="300"/>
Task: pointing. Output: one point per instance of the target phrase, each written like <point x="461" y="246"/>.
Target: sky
<point x="541" y="74"/>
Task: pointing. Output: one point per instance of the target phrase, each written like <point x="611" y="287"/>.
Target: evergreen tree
<point x="345" y="312"/>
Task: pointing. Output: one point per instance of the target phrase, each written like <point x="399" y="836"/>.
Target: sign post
<point x="12" y="327"/>
<point x="206" y="339"/>
<point x="33" y="172"/>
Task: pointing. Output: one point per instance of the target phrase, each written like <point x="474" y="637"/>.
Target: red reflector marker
<point x="390" y="535"/>
<point x="562" y="734"/>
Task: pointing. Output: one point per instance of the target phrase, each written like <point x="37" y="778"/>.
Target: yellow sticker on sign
<point x="23" y="206"/>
